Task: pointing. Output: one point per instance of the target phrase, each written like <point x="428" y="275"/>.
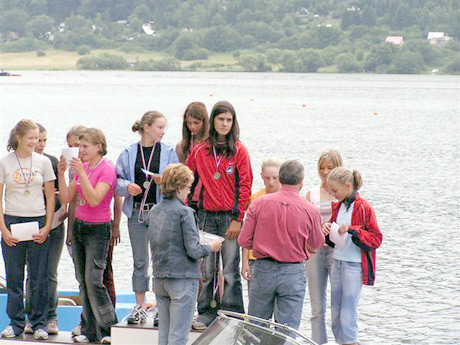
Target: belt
<point x="91" y="225"/>
<point x="279" y="262"/>
<point x="146" y="208"/>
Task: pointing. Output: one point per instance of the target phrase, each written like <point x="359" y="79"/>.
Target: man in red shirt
<point x="281" y="228"/>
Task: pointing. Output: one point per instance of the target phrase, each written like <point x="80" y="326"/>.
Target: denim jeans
<point x="232" y="299"/>
<point x="318" y="272"/>
<point x="138" y="235"/>
<point x="15" y="259"/>
<point x="277" y="283"/>
<point x="56" y="244"/>
<point x="90" y="245"/>
<point x="346" y="284"/>
<point x="176" y="299"/>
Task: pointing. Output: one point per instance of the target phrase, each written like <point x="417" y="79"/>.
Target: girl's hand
<point x="215" y="245"/>
<point x="157" y="178"/>
<point x="77" y="166"/>
<point x="233" y="230"/>
<point x="41" y="237"/>
<point x="326" y="228"/>
<point x="9" y="239"/>
<point x="343" y="229"/>
<point x="62" y="165"/>
<point x="134" y="189"/>
<point x="115" y="234"/>
<point x="246" y="271"/>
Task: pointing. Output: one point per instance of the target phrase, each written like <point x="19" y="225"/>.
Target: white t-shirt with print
<point x="14" y="180"/>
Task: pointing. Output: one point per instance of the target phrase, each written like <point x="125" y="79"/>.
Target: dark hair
<point x="291" y="173"/>
<point x="196" y="110"/>
<point x="232" y="137"/>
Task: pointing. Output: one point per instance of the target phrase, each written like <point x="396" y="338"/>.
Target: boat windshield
<point x="230" y="331"/>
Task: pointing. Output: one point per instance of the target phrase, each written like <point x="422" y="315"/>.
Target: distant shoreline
<point x="59" y="60"/>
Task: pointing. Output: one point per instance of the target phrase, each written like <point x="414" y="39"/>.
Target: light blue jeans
<point x="319" y="267"/>
<point x="138" y="236"/>
<point x="176" y="299"/>
<point x="346" y="284"/>
<point x="277" y="283"/>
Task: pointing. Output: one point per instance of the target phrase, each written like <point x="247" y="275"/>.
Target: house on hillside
<point x="438" y="38"/>
<point x="396" y="40"/>
<point x="147" y="29"/>
<point x="12" y="36"/>
<point x="303" y="13"/>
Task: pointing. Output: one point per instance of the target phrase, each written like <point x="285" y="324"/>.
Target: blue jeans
<point x="176" y="299"/>
<point x="277" y="283"/>
<point x="232" y="299"/>
<point x="15" y="259"/>
<point x="138" y="236"/>
<point x="56" y="243"/>
<point x="90" y="245"/>
<point x="318" y="272"/>
<point x="346" y="284"/>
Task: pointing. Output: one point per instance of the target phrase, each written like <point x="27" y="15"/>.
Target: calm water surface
<point x="400" y="132"/>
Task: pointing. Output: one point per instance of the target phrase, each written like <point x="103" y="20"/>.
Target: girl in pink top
<point x="94" y="182"/>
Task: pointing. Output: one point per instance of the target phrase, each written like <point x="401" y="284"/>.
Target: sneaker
<point x="106" y="340"/>
<point x="139" y="315"/>
<point x="52" y="327"/>
<point x="77" y="330"/>
<point x="199" y="326"/>
<point x="8" y="332"/>
<point x="80" y="339"/>
<point x="28" y="328"/>
<point x="40" y="334"/>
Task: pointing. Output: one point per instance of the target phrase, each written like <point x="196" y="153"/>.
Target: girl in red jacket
<point x="222" y="165"/>
<point x="354" y="261"/>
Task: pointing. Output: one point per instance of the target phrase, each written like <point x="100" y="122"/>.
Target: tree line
<point x="261" y="35"/>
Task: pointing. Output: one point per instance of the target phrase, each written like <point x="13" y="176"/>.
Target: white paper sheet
<point x="338" y="239"/>
<point x="69" y="153"/>
<point x="56" y="217"/>
<point x="24" y="231"/>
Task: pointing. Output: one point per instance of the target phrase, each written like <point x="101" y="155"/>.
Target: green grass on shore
<point x="64" y="60"/>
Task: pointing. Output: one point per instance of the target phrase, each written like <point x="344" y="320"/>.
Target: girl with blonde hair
<point x="354" y="263"/>
<point x="24" y="175"/>
<point x="320" y="263"/>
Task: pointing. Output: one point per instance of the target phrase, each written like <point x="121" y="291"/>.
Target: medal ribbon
<point x="150" y="159"/>
<point x="215" y="158"/>
<point x="22" y="172"/>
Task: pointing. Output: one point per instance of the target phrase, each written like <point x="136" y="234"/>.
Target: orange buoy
<point x="375" y="113"/>
<point x="304" y="105"/>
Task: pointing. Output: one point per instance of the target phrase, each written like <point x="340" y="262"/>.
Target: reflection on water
<point x="401" y="132"/>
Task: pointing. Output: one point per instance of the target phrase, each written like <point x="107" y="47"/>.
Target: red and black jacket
<point x="229" y="192"/>
<point x="365" y="234"/>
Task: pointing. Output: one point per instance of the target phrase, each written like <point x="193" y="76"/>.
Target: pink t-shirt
<point x="105" y="173"/>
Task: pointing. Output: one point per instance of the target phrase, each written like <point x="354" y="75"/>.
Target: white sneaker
<point x="139" y="315"/>
<point x="106" y="340"/>
<point x="8" y="332"/>
<point x="40" y="334"/>
<point x="52" y="327"/>
<point x="77" y="330"/>
<point x="28" y="328"/>
<point x="80" y="339"/>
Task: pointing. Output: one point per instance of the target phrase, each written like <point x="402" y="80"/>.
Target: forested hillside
<point x="256" y="35"/>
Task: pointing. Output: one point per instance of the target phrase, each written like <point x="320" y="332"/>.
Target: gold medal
<point x="26" y="192"/>
<point x="216" y="176"/>
<point x="82" y="202"/>
<point x="213" y="304"/>
<point x="146" y="184"/>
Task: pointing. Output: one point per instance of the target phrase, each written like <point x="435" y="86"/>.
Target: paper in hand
<point x="24" y="231"/>
<point x="334" y="236"/>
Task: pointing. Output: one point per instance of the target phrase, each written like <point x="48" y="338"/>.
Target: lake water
<point x="401" y="132"/>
